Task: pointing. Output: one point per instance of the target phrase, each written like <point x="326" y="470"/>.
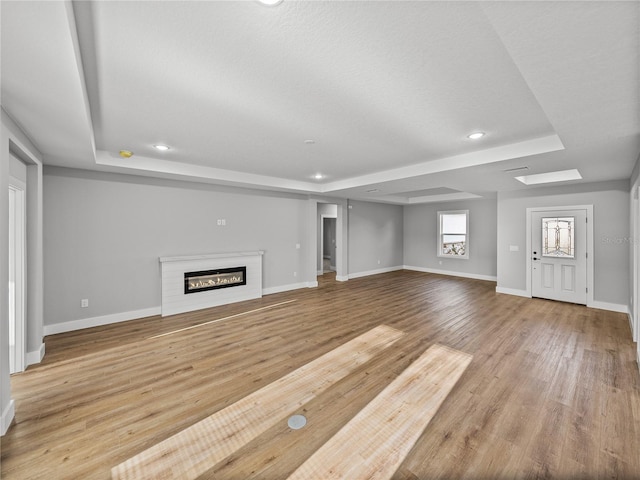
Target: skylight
<point x="550" y="177"/>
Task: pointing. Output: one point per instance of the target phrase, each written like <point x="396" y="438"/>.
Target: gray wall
<point x="610" y="202"/>
<point x="375" y="233"/>
<point x="17" y="168"/>
<point x="421" y="237"/>
<point x="104" y="234"/>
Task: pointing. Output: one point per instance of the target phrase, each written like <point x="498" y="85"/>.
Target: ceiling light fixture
<point x="270" y="3"/>
<point x="126" y="153"/>
<point x="161" y="147"/>
<point x="476" y="135"/>
<point x="550" y="177"/>
<point x="318" y="176"/>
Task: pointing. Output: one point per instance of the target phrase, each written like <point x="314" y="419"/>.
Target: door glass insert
<point x="558" y="237"/>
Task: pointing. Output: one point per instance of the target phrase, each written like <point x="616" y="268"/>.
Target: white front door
<point x="559" y="255"/>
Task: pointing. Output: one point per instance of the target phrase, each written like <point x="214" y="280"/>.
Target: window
<point x="453" y="234"/>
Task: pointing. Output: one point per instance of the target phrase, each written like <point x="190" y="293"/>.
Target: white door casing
<point x="636" y="283"/>
<point x="569" y="277"/>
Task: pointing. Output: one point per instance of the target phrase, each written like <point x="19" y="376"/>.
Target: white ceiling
<point x="387" y="90"/>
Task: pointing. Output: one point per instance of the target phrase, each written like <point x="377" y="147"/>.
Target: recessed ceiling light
<point x="161" y="147"/>
<point x="550" y="177"/>
<point x="126" y="153"/>
<point x="270" y="3"/>
<point x="475" y="135"/>
<point x="318" y="176"/>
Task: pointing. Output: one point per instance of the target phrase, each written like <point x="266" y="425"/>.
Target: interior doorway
<point x="17" y="275"/>
<point x="327" y="241"/>
<point x="329" y="244"/>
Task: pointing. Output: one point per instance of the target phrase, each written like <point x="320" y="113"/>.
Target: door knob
<point x="535" y="258"/>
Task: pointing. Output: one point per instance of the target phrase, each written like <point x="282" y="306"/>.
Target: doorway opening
<point x="328" y="244"/>
<point x="17" y="276"/>
<point x="327" y="257"/>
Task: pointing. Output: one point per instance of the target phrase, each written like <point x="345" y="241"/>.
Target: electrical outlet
<point x="378" y="262"/>
<point x="295" y="274"/>
<point x="84" y="303"/>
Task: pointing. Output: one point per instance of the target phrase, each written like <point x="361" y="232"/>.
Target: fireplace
<point x="210" y="276"/>
<point x="204" y="280"/>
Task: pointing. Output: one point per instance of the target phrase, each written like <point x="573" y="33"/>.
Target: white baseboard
<point x="284" y="288"/>
<point x="475" y="276"/>
<point x="102" y="320"/>
<point x="35" y="356"/>
<point x="613" y="307"/>
<point x="373" y="272"/>
<point x="320" y="272"/>
<point x="513" y="291"/>
<point x="342" y="278"/>
<point x="7" y="417"/>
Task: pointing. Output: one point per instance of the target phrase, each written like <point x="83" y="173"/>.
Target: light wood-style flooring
<point x="553" y="390"/>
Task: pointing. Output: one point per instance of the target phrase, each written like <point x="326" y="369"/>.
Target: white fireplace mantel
<point x="174" y="299"/>
<point x="207" y="256"/>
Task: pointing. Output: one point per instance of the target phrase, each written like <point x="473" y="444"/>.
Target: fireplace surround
<point x="201" y="281"/>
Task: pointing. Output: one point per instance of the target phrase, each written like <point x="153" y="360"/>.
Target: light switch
<point x="514" y="248"/>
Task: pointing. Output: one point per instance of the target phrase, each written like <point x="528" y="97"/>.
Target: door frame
<point x="19" y="230"/>
<point x="529" y="268"/>
<point x="635" y="254"/>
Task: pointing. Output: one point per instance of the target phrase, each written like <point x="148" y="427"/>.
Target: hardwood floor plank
<point x="105" y="394"/>
<point x="193" y="451"/>
<point x="376" y="441"/>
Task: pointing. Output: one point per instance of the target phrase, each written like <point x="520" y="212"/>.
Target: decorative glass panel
<point x="558" y="237"/>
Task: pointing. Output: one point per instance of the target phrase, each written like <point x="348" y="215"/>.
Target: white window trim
<point x="466" y="250"/>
